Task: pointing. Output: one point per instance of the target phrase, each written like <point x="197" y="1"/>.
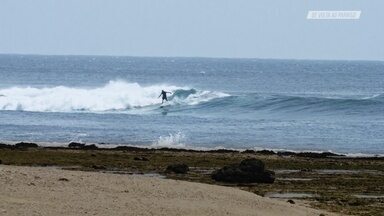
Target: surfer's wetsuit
<point x="164" y="93"/>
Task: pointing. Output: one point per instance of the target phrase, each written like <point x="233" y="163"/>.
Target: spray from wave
<point x="176" y="140"/>
<point x="114" y="96"/>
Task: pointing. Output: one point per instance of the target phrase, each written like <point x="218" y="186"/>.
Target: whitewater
<point x="115" y="96"/>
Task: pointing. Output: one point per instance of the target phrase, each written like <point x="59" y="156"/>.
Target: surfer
<point x="164" y="93"/>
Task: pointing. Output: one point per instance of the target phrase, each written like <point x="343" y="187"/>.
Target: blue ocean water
<point x="232" y="103"/>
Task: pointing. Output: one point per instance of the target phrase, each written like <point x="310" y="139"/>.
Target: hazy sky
<point x="202" y="28"/>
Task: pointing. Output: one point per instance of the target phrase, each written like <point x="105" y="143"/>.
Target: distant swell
<point x="114" y="96"/>
<point x="302" y="104"/>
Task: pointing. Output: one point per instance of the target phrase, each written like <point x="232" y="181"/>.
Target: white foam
<point x="114" y="96"/>
<point x="176" y="140"/>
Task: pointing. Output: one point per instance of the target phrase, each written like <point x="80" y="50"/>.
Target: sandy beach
<point x="136" y="181"/>
<point x="52" y="191"/>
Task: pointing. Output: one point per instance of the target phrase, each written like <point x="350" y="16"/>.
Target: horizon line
<point x="202" y="57"/>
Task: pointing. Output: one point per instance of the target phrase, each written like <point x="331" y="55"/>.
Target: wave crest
<point x="114" y="96"/>
<point x="300" y="104"/>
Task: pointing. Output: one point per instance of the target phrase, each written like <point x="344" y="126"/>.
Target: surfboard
<point x="166" y="104"/>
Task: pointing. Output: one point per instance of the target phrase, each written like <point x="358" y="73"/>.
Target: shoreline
<point x="266" y="151"/>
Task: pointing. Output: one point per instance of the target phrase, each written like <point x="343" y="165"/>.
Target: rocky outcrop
<point x="248" y="171"/>
<point x="90" y="147"/>
<point x="82" y="146"/>
<point x="26" y="145"/>
<point x="5" y="146"/>
<point x="178" y="168"/>
<point x="310" y="154"/>
<point x="76" y="145"/>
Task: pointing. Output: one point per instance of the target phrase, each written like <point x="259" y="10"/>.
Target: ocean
<point x="298" y="105"/>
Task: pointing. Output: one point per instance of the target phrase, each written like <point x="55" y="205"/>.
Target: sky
<point x="192" y="28"/>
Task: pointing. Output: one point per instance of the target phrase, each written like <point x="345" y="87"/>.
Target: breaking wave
<point x="114" y="96"/>
<point x="122" y="96"/>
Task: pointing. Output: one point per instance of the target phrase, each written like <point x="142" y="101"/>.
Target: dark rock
<point x="140" y="159"/>
<point x="176" y="150"/>
<point x="266" y="152"/>
<point x="90" y="147"/>
<point x="235" y="175"/>
<point x="99" y="167"/>
<point x="306" y="170"/>
<point x="223" y="151"/>
<point x="1" y="161"/>
<point x="81" y="146"/>
<point x="291" y="201"/>
<point x="286" y="153"/>
<point x="318" y="155"/>
<point x="178" y="168"/>
<point x="249" y="151"/>
<point x="26" y="145"/>
<point x="248" y="171"/>
<point x="129" y="148"/>
<point x="63" y="179"/>
<point x="310" y="154"/>
<point x="252" y="165"/>
<point x="75" y="145"/>
<point x="5" y="146"/>
<point x="170" y="149"/>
